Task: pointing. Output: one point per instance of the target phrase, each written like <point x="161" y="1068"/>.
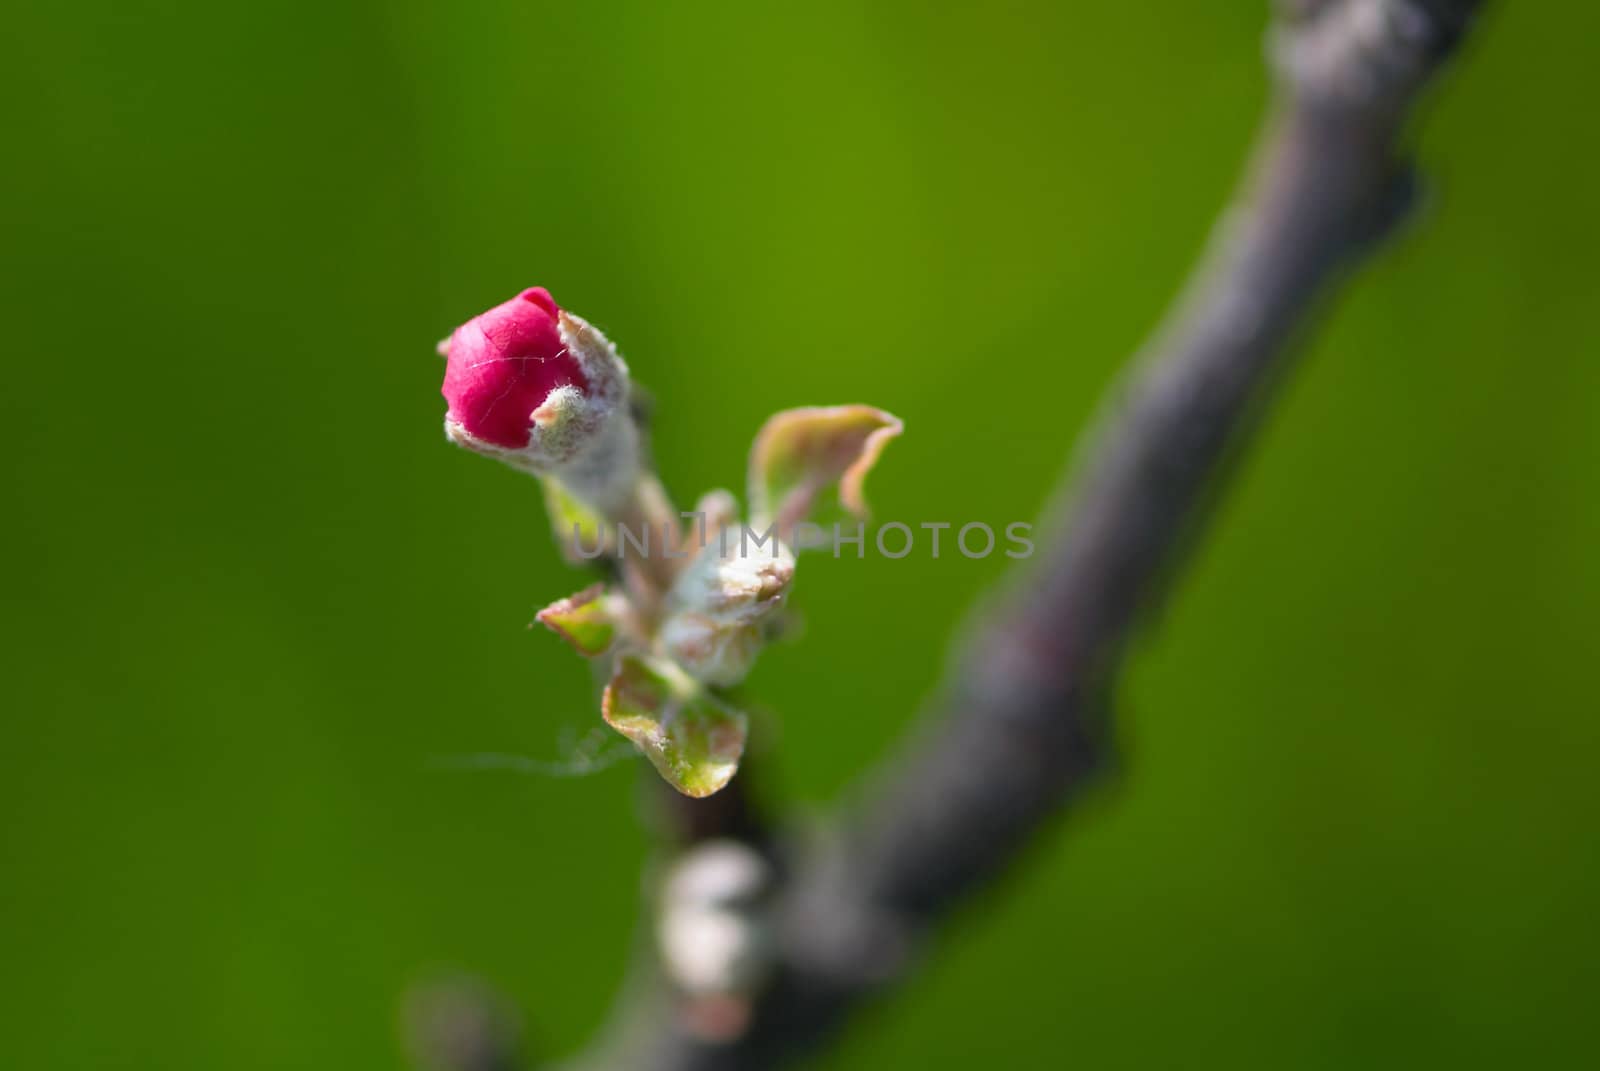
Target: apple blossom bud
<point x="718" y="609"/>
<point x="540" y="389"/>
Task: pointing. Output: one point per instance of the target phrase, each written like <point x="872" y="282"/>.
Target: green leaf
<point x="693" y="739"/>
<point x="585" y="620"/>
<point x="800" y="454"/>
<point x="571" y="518"/>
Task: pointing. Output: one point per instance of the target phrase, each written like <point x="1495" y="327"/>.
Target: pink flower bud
<point x="535" y="386"/>
<point x="503" y="364"/>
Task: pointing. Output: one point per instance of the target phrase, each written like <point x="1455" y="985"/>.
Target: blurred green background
<point x="252" y="596"/>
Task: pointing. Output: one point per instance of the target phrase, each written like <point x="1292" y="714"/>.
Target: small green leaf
<point x="584" y="620"/>
<point x="581" y="532"/>
<point x="692" y="739"/>
<point x="800" y="454"/>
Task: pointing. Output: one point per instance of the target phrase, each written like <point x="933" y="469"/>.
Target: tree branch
<point x="1021" y="726"/>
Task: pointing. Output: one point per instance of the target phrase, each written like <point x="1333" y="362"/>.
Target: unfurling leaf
<point x="585" y="620"/>
<point x="691" y="738"/>
<point x="800" y="454"/>
<point x="581" y="533"/>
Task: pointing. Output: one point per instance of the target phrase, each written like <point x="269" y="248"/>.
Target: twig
<point x="460" y="1024"/>
<point x="1021" y="727"/>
